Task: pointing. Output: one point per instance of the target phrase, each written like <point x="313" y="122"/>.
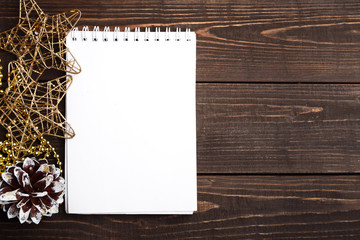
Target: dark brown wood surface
<point x="278" y="120"/>
<point x="278" y="128"/>
<point x="230" y="207"/>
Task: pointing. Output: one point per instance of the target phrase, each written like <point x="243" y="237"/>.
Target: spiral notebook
<point x="133" y="111"/>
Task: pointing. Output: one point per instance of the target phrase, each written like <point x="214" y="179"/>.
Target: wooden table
<point x="278" y="120"/>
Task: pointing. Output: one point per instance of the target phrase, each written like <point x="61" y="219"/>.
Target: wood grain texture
<point x="241" y="41"/>
<point x="278" y="128"/>
<point x="246" y="128"/>
<point x="230" y="207"/>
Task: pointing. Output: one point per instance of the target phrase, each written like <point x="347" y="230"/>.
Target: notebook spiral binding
<point x="179" y="36"/>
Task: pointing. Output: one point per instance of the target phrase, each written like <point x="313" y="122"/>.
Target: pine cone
<point x="31" y="189"/>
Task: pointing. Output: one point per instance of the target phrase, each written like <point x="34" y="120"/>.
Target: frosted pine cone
<point x="31" y="189"/>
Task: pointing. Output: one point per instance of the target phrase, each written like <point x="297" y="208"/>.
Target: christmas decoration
<point x="29" y="107"/>
<point x="31" y="189"/>
<point x="42" y="149"/>
<point x="38" y="40"/>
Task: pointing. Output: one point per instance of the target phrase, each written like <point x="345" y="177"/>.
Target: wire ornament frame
<point x="29" y="106"/>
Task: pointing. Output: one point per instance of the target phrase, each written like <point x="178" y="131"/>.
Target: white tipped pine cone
<point x="31" y="189"/>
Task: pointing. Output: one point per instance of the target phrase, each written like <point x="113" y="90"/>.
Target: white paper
<point x="133" y="111"/>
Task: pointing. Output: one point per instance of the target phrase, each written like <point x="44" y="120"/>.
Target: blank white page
<point x="133" y="111"/>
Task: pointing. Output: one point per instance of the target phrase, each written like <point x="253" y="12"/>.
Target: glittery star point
<point x="38" y="40"/>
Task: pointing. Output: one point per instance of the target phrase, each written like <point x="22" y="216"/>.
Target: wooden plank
<point x="241" y="41"/>
<point x="278" y="128"/>
<point x="230" y="207"/>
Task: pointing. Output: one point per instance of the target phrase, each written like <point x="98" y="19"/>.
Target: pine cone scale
<point x="10" y="180"/>
<point x="24" y="212"/>
<point x="43" y="183"/>
<point x="39" y="205"/>
<point x="30" y="166"/>
<point x="39" y="194"/>
<point x="55" y="187"/>
<point x="21" y="195"/>
<point x="41" y="172"/>
<point x="10" y="196"/>
<point x="47" y="201"/>
<point x="13" y="211"/>
<point x="23" y="179"/>
<point x="5" y="189"/>
<point x="22" y="202"/>
<point x="35" y="215"/>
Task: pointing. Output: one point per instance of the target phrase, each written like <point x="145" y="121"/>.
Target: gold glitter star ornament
<point x="29" y="107"/>
<point x="39" y="40"/>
